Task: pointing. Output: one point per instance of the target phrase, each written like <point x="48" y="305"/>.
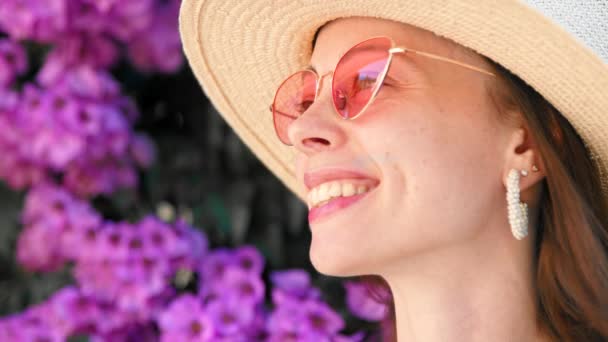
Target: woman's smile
<point x="334" y="204"/>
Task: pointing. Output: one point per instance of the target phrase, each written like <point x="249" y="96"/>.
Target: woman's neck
<point x="480" y="290"/>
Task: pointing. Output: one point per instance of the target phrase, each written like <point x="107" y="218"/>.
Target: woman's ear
<point x="522" y="154"/>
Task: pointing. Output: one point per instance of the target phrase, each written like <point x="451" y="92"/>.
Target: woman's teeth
<point x="326" y="191"/>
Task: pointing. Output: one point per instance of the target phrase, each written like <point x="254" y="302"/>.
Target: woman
<point x="455" y="149"/>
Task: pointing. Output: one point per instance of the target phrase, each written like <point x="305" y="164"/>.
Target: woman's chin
<point x="335" y="264"/>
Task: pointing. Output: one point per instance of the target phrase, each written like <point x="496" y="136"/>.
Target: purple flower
<point x="87" y="16"/>
<point x="185" y="320"/>
<point x="361" y="302"/>
<point x="76" y="120"/>
<point x="131" y="265"/>
<point x="38" y="248"/>
<point x="81" y="126"/>
<point x="87" y="178"/>
<point x="285" y="324"/>
<point x="247" y="287"/>
<point x="17" y="19"/>
<point x="8" y="329"/>
<point x="83" y="243"/>
<point x="114" y="320"/>
<point x="46" y="202"/>
<point x="98" y="279"/>
<point x="249" y="259"/>
<point x="197" y="243"/>
<point x="132" y="332"/>
<point x="293" y="283"/>
<point x="16" y="170"/>
<point x="56" y="148"/>
<point x="35" y="120"/>
<point x="87" y="119"/>
<point x="180" y="244"/>
<point x="113" y="242"/>
<point x="356" y="337"/>
<point x="9" y="100"/>
<point x="41" y="20"/>
<point x="128" y="108"/>
<point x="321" y="319"/>
<point x="74" y="311"/>
<point x="215" y="264"/>
<point x="103" y="6"/>
<point x="69" y="312"/>
<point x="141" y="281"/>
<point x="127" y="19"/>
<point x="300" y="318"/>
<point x="309" y="320"/>
<point x="137" y="288"/>
<point x="159" y="239"/>
<point x="83" y="81"/>
<point x="231" y="315"/>
<point x="143" y="150"/>
<point x="69" y="218"/>
<point x="34" y="324"/>
<point x="13" y="61"/>
<point x="51" y="216"/>
<point x="75" y="49"/>
<point x="158" y="47"/>
<point x="246" y="259"/>
<point x="20" y="173"/>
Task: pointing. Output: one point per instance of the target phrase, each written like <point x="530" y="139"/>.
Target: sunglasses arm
<point x="440" y="58"/>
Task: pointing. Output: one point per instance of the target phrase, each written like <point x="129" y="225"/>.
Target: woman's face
<point x="431" y="144"/>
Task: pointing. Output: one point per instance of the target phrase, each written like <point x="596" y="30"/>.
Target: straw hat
<point x="240" y="51"/>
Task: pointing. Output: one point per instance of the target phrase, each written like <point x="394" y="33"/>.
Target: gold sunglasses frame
<point x="392" y="51"/>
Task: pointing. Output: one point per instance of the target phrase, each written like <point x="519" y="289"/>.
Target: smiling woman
<point x="435" y="150"/>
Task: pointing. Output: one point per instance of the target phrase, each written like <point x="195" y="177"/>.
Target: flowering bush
<point x="124" y="275"/>
<point x="67" y="137"/>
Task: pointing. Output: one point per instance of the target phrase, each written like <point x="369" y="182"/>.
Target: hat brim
<point x="240" y="51"/>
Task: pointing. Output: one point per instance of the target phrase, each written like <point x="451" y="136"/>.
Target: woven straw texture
<point x="240" y="51"/>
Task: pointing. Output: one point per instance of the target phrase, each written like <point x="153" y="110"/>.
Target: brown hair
<point x="572" y="237"/>
<point x="571" y="250"/>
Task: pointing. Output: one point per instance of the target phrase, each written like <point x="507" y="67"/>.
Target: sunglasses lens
<point x="358" y="74"/>
<point x="293" y="97"/>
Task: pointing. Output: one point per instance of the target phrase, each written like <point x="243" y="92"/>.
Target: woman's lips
<point x="334" y="205"/>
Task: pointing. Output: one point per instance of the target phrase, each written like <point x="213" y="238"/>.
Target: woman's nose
<point x="318" y="128"/>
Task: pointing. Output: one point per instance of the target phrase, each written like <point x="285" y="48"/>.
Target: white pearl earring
<point x="518" y="211"/>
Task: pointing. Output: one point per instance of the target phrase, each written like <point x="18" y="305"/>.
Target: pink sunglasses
<point x="358" y="77"/>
